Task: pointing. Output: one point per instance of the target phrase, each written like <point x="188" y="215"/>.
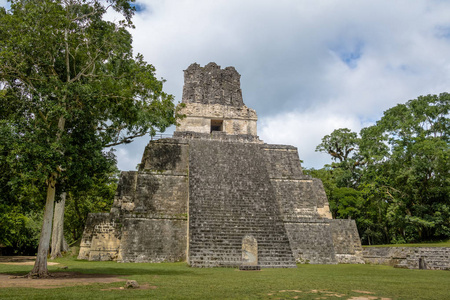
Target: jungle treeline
<point x="393" y="178"/>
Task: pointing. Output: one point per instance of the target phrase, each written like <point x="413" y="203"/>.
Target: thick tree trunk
<point x="40" y="266"/>
<point x="59" y="244"/>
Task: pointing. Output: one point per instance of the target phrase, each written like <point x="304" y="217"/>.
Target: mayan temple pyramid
<point x="216" y="195"/>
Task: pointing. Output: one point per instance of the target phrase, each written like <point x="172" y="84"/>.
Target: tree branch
<point x="126" y="140"/>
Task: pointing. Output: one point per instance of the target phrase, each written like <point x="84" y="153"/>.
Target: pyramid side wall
<point x="148" y="220"/>
<point x="154" y="227"/>
<point x="311" y="242"/>
<point x="346" y="241"/>
<point x="298" y="197"/>
<point x="153" y="239"/>
<point x="101" y="237"/>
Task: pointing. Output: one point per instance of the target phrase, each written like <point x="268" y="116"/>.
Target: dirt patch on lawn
<point x="142" y="287"/>
<point x="4" y="259"/>
<point x="58" y="279"/>
<point x="321" y="295"/>
<point x="21" y="260"/>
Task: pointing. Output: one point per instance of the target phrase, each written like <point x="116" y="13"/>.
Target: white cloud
<point x="307" y="67"/>
<point x="130" y="155"/>
<point x="127" y="158"/>
<point x="305" y="130"/>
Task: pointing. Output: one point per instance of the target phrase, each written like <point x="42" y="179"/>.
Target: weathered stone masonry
<point x="149" y="211"/>
<point x="199" y="195"/>
<point x="431" y="258"/>
<point x="229" y="197"/>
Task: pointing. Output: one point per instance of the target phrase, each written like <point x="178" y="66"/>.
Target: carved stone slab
<point x="249" y="251"/>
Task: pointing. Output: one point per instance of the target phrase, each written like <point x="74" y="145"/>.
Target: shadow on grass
<point x="106" y="268"/>
<point x="130" y="271"/>
<point x="113" y="272"/>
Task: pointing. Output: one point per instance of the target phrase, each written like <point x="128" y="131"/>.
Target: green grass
<point x="429" y="244"/>
<point x="178" y="281"/>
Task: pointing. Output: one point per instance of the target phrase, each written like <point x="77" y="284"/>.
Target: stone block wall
<point x="236" y="120"/>
<point x="160" y="187"/>
<point x="150" y="193"/>
<point x="289" y="183"/>
<point x="153" y="239"/>
<point x="323" y="208"/>
<point x="299" y="197"/>
<point x="101" y="237"/>
<point x="311" y="241"/>
<point x="431" y="258"/>
<point x="166" y="156"/>
<point x="149" y="210"/>
<point x="217" y="136"/>
<point x="161" y="194"/>
<point x="283" y="162"/>
<point x="212" y="85"/>
<point x="347" y="245"/>
<point x="296" y="199"/>
<point x="155" y="221"/>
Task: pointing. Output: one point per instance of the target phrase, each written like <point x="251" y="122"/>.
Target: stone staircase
<point x="230" y="198"/>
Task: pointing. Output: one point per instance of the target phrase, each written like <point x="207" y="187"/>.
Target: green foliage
<point x="79" y="203"/>
<point x="60" y="62"/>
<point x="339" y="144"/>
<point x="342" y="144"/>
<point x="20" y="231"/>
<point x="20" y="198"/>
<point x="396" y="182"/>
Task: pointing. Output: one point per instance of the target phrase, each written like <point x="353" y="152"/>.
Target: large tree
<point x="343" y="145"/>
<point x="70" y="85"/>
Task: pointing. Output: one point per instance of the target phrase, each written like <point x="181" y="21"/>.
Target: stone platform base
<point x="249" y="268"/>
<point x="431" y="258"/>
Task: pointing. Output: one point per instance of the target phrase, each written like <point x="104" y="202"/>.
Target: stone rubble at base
<point x="201" y="195"/>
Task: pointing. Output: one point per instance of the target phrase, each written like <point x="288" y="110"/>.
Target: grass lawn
<point x="178" y="281"/>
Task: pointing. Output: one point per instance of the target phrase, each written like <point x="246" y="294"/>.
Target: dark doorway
<point x="216" y="125"/>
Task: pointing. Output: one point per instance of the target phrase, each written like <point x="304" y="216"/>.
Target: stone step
<point x="231" y="197"/>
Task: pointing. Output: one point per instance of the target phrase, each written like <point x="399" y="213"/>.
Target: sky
<point x="307" y="67"/>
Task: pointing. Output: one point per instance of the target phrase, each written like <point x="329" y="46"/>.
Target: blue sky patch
<point x="443" y="32"/>
<point x="349" y="52"/>
<point x="6" y="5"/>
<point x="139" y="7"/>
<point x="403" y="69"/>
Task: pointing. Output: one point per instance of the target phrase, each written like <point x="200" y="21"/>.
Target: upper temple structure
<point x="213" y="104"/>
<point x="216" y="195"/>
